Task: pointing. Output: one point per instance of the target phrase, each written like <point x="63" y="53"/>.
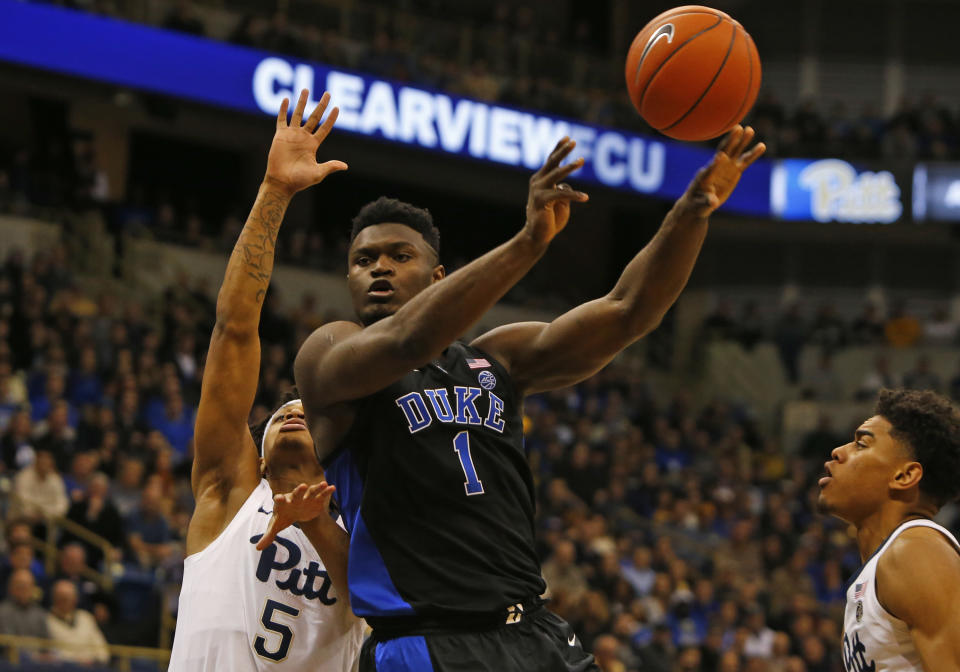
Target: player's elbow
<point x="233" y="331"/>
<point x="636" y="318"/>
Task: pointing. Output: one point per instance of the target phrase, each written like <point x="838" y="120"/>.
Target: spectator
<point x="868" y="327"/>
<point x="55" y="434"/>
<point x="86" y="387"/>
<point x="97" y="513"/>
<point x="720" y="325"/>
<point x="828" y="330"/>
<point x="20" y="556"/>
<point x="760" y="640"/>
<point x="638" y="572"/>
<point x="127" y="489"/>
<point x="74" y="630"/>
<point x="940" y="329"/>
<point x="148" y="532"/>
<point x="72" y="566"/>
<point x="566" y="583"/>
<point x="606" y="652"/>
<point x="82" y="468"/>
<point x="16" y="445"/>
<point x="902" y="330"/>
<point x="922" y="376"/>
<point x="19" y="613"/>
<point x="881" y="376"/>
<point x="751" y="329"/>
<point x="38" y="490"/>
<point x="822" y="382"/>
<point x="176" y="424"/>
<point x="789" y="336"/>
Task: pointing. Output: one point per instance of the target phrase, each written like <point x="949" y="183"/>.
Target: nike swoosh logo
<point x="666" y="30"/>
<point x="262" y="510"/>
<point x="572" y="640"/>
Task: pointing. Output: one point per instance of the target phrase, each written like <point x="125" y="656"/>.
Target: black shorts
<point x="538" y="642"/>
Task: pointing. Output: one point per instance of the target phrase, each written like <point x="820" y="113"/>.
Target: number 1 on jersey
<point x="461" y="444"/>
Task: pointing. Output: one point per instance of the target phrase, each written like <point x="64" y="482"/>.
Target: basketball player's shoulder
<point x="323" y="339"/>
<point x="915" y="574"/>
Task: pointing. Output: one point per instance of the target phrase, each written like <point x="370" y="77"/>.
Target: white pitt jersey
<point x="873" y="640"/>
<point x="242" y="610"/>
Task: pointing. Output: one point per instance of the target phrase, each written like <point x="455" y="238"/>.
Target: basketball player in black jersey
<point x="422" y="434"/>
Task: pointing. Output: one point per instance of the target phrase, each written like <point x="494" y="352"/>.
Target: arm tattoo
<point x="258" y="241"/>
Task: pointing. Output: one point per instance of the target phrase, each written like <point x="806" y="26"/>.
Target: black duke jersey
<point x="436" y="493"/>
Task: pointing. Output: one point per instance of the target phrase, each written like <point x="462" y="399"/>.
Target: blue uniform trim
<point x="405" y="654"/>
<point x="372" y="592"/>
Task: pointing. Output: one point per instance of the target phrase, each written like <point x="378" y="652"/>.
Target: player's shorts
<point x="531" y="639"/>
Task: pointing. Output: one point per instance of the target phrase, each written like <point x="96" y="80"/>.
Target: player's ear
<point x="439" y="273"/>
<point x="263" y="468"/>
<point x="907" y="476"/>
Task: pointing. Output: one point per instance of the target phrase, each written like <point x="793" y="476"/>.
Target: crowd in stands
<point x="830" y="332"/>
<point x="509" y="53"/>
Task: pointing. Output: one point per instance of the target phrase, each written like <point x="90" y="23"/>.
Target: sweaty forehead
<point x="388" y="234"/>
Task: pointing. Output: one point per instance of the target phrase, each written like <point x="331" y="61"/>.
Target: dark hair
<point x="390" y="210"/>
<point x="929" y="425"/>
<point x="258" y="429"/>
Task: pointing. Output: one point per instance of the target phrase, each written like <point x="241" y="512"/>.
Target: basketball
<point x="693" y="73"/>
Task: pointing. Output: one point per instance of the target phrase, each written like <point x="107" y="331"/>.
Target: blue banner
<point x="831" y="190"/>
<point x="254" y="81"/>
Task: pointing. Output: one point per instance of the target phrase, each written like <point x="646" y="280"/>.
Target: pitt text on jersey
<point x="470" y="406"/>
<point x="269" y="563"/>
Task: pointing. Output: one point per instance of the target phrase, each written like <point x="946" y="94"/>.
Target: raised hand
<point x="302" y="504"/>
<point x="292" y="163"/>
<point x="716" y="181"/>
<point x="548" y="200"/>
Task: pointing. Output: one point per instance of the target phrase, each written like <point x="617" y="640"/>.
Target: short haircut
<point x="386" y="210"/>
<point x="929" y="425"/>
<point x="258" y="429"/>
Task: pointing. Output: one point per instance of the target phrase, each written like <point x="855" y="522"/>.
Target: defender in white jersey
<point x="250" y="603"/>
<point x="901" y="468"/>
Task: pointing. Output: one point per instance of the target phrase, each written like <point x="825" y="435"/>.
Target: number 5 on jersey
<point x="461" y="444"/>
<point x="286" y="634"/>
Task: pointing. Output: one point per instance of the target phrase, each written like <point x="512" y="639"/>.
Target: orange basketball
<point x="693" y="73"/>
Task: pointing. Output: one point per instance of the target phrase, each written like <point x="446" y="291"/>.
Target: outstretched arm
<point x="542" y="356"/>
<point x="918" y="581"/>
<point x="225" y="456"/>
<point x="342" y="361"/>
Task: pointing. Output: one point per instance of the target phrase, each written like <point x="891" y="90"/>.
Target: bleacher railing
<point x="122" y="656"/>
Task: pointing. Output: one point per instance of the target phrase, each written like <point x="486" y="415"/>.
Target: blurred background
<point x="676" y="488"/>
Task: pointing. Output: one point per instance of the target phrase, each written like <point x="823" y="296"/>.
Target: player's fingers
<point x="297" y="119"/>
<point x="314" y="119"/>
<point x="559" y="153"/>
<point x="324" y="129"/>
<point x="732" y="140"/>
<point x="745" y="141"/>
<point x="282" y="114"/>
<point x="566" y="194"/>
<point x="269" y="535"/>
<point x="558" y="174"/>
<point x="753" y="154"/>
<point x="328" y="167"/>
